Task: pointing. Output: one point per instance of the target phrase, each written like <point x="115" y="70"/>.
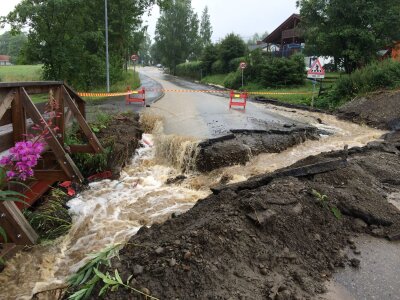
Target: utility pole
<point x="107" y="61"/>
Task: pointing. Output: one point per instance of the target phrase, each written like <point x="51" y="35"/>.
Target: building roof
<point x="4" y="58"/>
<point x="276" y="35"/>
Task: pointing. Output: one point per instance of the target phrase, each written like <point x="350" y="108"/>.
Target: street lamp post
<point x="107" y="61"/>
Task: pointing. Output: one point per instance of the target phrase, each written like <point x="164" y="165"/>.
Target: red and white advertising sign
<point x="316" y="71"/>
<point x="243" y="65"/>
<point x="134" y="57"/>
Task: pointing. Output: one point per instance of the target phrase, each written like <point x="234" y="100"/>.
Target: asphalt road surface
<point x="205" y="115"/>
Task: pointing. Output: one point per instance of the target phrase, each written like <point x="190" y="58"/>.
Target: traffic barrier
<point x="136" y="96"/>
<point x="84" y="94"/>
<point x="239" y="97"/>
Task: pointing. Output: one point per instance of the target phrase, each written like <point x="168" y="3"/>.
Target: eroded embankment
<point x="277" y="236"/>
<point x="241" y="145"/>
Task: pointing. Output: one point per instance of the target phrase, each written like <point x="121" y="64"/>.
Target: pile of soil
<point x="239" y="146"/>
<point x="121" y="135"/>
<point x="275" y="236"/>
<point x="380" y="110"/>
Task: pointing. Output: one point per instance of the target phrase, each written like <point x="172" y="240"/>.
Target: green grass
<point x="20" y="73"/>
<point x="214" y="79"/>
<point x="300" y="98"/>
<point x="129" y="79"/>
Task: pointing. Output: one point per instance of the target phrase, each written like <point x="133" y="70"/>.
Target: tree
<point x="205" y="28"/>
<point x="257" y="37"/>
<point x="176" y="37"/>
<point x="350" y="31"/>
<point x="68" y="36"/>
<point x="208" y="57"/>
<point x="232" y="46"/>
<point x="12" y="45"/>
<point x="144" y="50"/>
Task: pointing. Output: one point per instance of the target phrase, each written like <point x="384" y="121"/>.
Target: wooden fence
<point x="18" y="113"/>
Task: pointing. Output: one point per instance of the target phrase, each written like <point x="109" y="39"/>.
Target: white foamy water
<point x="110" y="212"/>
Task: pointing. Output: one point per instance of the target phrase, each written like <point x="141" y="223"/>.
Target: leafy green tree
<point x="232" y="46"/>
<point x="205" y="28"/>
<point x="68" y="36"/>
<point x="208" y="57"/>
<point x="350" y="31"/>
<point x="12" y="45"/>
<point x="177" y="37"/>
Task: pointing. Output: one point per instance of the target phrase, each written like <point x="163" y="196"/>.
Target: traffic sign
<point x="316" y="70"/>
<point x="134" y="57"/>
<point x="243" y="65"/>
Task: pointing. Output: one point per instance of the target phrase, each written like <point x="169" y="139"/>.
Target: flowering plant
<point x="24" y="156"/>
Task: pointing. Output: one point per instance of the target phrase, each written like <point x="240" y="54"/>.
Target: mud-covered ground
<point x="380" y="110"/>
<point x="275" y="236"/>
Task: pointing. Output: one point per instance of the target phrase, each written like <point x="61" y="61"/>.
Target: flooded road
<point x="111" y="212"/>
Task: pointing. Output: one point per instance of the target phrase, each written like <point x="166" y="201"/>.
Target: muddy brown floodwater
<point x="112" y="211"/>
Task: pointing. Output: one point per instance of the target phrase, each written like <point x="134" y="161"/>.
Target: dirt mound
<point x="380" y="110"/>
<point x="241" y="145"/>
<point x="278" y="236"/>
<point x="120" y="138"/>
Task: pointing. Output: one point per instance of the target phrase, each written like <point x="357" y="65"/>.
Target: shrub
<point x="283" y="71"/>
<point x="234" y="63"/>
<point x="217" y="67"/>
<point x="208" y="57"/>
<point x="233" y="80"/>
<point x="373" y="77"/>
<point x="191" y="70"/>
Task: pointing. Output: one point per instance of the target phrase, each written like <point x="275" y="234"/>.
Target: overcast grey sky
<point x="244" y="17"/>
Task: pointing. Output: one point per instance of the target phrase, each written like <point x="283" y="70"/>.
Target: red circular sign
<point x="243" y="65"/>
<point x="134" y="57"/>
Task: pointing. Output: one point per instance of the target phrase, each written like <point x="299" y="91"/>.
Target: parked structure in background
<point x="5" y="60"/>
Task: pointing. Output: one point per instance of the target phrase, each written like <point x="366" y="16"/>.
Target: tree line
<point x="68" y="36"/>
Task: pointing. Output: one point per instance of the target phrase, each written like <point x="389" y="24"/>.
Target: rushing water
<point x="111" y="212"/>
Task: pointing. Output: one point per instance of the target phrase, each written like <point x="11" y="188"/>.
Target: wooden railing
<point x="17" y="115"/>
<point x="291" y="33"/>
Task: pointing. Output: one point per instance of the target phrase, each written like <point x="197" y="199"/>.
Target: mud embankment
<point x="380" y="110"/>
<point x="241" y="145"/>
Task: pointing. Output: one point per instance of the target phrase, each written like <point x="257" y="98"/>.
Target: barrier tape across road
<point x="83" y="94"/>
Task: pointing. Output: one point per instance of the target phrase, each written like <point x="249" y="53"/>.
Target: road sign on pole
<point x="242" y="66"/>
<point x="316" y="71"/>
<point x="134" y="58"/>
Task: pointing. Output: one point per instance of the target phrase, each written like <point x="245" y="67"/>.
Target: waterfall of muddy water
<point x="108" y="213"/>
<point x="112" y="211"/>
<point x="339" y="134"/>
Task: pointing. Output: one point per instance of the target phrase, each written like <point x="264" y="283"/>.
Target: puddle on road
<point x="112" y="211"/>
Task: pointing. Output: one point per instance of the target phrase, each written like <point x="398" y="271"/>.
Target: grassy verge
<point x="302" y="97"/>
<point x="129" y="79"/>
<point x="20" y="73"/>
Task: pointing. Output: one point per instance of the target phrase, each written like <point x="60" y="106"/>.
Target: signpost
<point x="242" y="66"/>
<point x="316" y="72"/>
<point x="134" y="58"/>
